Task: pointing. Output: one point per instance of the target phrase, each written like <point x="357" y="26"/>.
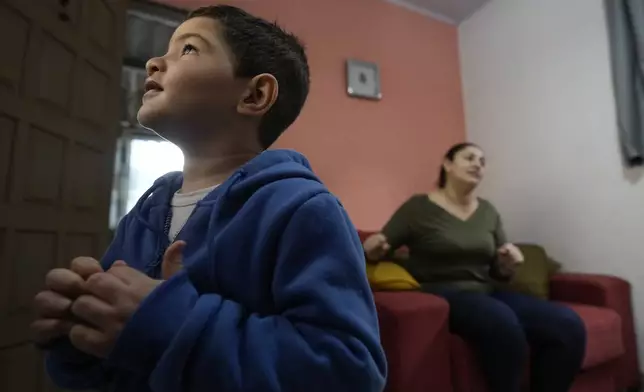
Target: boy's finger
<point x="111" y="284"/>
<point x="119" y="263"/>
<point x="172" y="259"/>
<point x="93" y="310"/>
<point x="86" y="266"/>
<point x="125" y="273"/>
<point x="51" y="304"/>
<point x="65" y="282"/>
<point x="174" y="252"/>
<point x="45" y="330"/>
<point x="89" y="340"/>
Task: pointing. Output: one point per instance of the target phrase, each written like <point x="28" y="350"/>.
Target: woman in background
<point x="457" y="249"/>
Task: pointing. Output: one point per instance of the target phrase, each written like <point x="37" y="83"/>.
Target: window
<point x="141" y="156"/>
<point x="140" y="162"/>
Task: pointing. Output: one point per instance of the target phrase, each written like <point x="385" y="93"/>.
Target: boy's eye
<point x="187" y="49"/>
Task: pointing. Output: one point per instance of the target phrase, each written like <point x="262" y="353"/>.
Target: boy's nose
<point x="155" y="64"/>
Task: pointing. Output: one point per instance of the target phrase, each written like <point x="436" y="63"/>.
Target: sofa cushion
<point x="533" y="276"/>
<point x="604" y="334"/>
<point x="389" y="276"/>
<point x="416" y="340"/>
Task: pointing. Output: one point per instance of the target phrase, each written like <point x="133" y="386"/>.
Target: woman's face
<point x="467" y="167"/>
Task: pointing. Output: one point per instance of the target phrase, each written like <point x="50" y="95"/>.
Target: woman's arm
<point x="395" y="234"/>
<point x="508" y="256"/>
<point x="398" y="228"/>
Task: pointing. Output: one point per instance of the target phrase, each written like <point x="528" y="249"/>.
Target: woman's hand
<point x="509" y="257"/>
<point x="376" y="247"/>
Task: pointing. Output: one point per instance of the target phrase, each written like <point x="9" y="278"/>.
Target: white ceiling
<point x="450" y="11"/>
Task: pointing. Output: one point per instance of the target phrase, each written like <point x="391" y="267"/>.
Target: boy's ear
<point x="260" y="95"/>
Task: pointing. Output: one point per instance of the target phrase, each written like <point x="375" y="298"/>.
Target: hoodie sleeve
<point x="69" y="367"/>
<point x="323" y="335"/>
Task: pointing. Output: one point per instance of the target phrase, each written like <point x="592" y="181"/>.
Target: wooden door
<point x="60" y="72"/>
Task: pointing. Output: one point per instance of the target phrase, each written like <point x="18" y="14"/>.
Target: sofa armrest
<point x="415" y="336"/>
<point x="608" y="292"/>
<point x="590" y="289"/>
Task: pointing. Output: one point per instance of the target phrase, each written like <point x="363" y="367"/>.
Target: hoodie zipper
<point x="154" y="265"/>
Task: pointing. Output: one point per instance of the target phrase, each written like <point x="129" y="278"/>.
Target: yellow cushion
<point x="390" y="276"/>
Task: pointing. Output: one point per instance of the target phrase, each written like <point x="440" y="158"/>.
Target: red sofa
<point x="424" y="357"/>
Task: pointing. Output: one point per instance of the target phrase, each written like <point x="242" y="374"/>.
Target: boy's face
<point x="193" y="86"/>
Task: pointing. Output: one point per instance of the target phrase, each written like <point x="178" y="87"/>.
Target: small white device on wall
<point x="363" y="80"/>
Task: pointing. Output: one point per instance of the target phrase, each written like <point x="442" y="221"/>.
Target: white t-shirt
<point x="182" y="206"/>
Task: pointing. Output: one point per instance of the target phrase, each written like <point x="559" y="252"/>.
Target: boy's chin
<point x="157" y="123"/>
<point x="149" y="119"/>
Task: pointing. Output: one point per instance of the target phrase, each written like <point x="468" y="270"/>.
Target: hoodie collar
<point x="267" y="167"/>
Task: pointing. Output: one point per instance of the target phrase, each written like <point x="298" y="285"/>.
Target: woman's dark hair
<point x="449" y="156"/>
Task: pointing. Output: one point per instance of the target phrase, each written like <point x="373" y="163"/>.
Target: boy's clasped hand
<point x="91" y="306"/>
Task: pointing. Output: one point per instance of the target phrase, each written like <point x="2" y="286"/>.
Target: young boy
<point x="242" y="273"/>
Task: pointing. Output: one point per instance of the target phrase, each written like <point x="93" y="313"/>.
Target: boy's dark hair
<point x="260" y="47"/>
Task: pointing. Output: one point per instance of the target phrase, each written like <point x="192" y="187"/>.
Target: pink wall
<point x="373" y="155"/>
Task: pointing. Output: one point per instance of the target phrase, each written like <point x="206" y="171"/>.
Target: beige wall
<point x="538" y="97"/>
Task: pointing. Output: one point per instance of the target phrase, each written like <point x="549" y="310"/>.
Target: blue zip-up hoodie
<point x="273" y="295"/>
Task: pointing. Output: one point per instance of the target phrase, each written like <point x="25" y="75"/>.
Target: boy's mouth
<point x="151" y="85"/>
<point x="151" y="88"/>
